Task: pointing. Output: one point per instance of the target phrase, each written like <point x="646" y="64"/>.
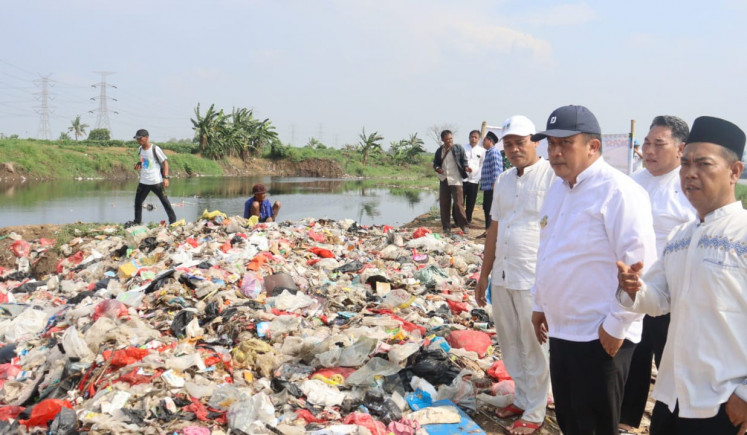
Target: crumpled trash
<point x="436" y="415"/>
<point x="225" y="324"/>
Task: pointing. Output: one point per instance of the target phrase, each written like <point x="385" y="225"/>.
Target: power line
<point x="102" y="118"/>
<point x="44" y="132"/>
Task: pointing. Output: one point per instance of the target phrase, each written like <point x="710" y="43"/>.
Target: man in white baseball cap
<point x="511" y="255"/>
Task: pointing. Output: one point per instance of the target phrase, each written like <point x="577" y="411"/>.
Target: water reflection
<point x="112" y="201"/>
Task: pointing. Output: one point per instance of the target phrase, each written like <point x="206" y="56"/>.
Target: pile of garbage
<point x="228" y="326"/>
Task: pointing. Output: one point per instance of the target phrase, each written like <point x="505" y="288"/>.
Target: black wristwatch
<point x="166" y="177"/>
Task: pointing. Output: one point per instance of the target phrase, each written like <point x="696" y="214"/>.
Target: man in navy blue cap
<point x="593" y="215"/>
<point x="700" y="279"/>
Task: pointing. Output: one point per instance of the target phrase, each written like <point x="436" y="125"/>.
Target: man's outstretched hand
<point x="629" y="277"/>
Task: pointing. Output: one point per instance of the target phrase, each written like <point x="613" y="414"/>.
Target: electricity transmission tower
<point x="43" y="109"/>
<point x="102" y="117"/>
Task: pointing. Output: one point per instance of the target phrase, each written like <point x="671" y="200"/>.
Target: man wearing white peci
<point x="511" y="256"/>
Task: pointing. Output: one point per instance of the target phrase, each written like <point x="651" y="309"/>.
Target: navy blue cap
<point x="568" y="121"/>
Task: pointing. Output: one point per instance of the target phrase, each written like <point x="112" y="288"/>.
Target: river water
<point x="106" y="201"/>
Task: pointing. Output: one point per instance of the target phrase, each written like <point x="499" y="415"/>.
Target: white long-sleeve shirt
<point x="669" y="205"/>
<point x="604" y="218"/>
<point x="701" y="279"/>
<point x="516" y="206"/>
<point x="475" y="158"/>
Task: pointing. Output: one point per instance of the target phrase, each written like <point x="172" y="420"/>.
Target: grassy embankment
<point x="38" y="159"/>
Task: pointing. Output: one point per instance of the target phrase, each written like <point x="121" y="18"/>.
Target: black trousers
<point x="665" y="422"/>
<point x="142" y="192"/>
<point x="470" y="198"/>
<point x="588" y="385"/>
<point x="487" y="203"/>
<point x="637" y="387"/>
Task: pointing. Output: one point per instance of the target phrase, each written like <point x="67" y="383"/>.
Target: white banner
<point x="615" y="148"/>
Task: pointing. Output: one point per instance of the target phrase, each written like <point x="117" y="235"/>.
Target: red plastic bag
<point x="316" y="236"/>
<point x="471" y="340"/>
<point x="20" y="248"/>
<point x="45" y="411"/>
<point x="110" y="308"/>
<point x="457" y="307"/>
<point x="9" y="371"/>
<point x="125" y="357"/>
<point x="308" y="416"/>
<point x="47" y="242"/>
<point x="324" y="253"/>
<point x="420" y="232"/>
<point x="361" y="419"/>
<point x="498" y="371"/>
<point x="8" y="412"/>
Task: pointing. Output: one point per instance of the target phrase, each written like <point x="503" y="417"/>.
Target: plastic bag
<point x="431" y="275"/>
<point x="319" y="393"/>
<point x="381" y="406"/>
<point x="20" y="248"/>
<point x="460" y="391"/>
<point x="356" y="354"/>
<point x="45" y="411"/>
<point x="292" y="302"/>
<point x="26" y="325"/>
<point x="400" y="352"/>
<point x="75" y="346"/>
<point x="498" y="371"/>
<point x="64" y="423"/>
<point x="420" y="232"/>
<point x="397" y="298"/>
<point x="110" y="308"/>
<point x="471" y="340"/>
<point x="252" y="413"/>
<point x="180" y="322"/>
<point x="251" y="285"/>
<point x="374" y="367"/>
<point x="224" y="397"/>
<point x="434" y="366"/>
<point x="366" y="421"/>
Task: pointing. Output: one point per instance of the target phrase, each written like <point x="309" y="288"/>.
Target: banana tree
<point x="369" y="143"/>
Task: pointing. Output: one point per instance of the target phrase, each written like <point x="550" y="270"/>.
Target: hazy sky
<point x="328" y="68"/>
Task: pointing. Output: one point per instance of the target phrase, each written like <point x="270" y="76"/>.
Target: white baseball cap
<point x="518" y="125"/>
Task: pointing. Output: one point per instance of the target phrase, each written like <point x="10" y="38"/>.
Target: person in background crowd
<point x="491" y="168"/>
<point x="662" y="149"/>
<point x="475" y="157"/>
<point x="450" y="164"/>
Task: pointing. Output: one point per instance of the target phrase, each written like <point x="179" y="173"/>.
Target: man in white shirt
<point x="701" y="280"/>
<point x="154" y="177"/>
<point x="591" y="215"/>
<point x="662" y="149"/>
<point x="475" y="157"/>
<point x="511" y="255"/>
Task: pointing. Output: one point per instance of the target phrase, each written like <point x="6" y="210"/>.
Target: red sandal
<point x="525" y="424"/>
<point x="509" y="411"/>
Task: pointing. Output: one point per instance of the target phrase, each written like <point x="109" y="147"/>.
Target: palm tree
<point x="369" y="143"/>
<point x="77" y="128"/>
<point x="414" y="147"/>
<point x="207" y="131"/>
